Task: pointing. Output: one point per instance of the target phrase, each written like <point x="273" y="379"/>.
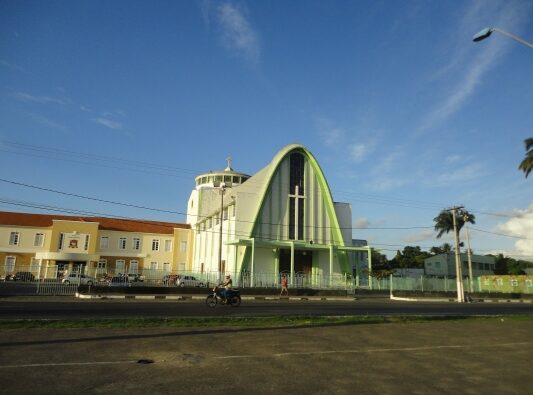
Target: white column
<point x="292" y="263"/>
<point x="330" y="265"/>
<point x="252" y="263"/>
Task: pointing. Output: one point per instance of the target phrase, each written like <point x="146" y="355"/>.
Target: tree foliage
<point x="446" y="248"/>
<point x="508" y="265"/>
<point x="410" y="257"/>
<point x="444" y="221"/>
<point x="527" y="164"/>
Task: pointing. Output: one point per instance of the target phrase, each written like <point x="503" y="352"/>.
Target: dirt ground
<point x="468" y="357"/>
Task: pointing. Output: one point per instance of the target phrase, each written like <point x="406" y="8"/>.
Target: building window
<point x="168" y="245"/>
<point x="154" y="265"/>
<point x="208" y="226"/>
<point x="34" y="267"/>
<point x="104" y="242"/>
<point x="296" y="196"/>
<point x="10" y="264"/>
<point x="514" y="283"/>
<point x="166" y="267"/>
<point x="122" y="243"/>
<point x="60" y="243"/>
<point x="182" y="267"/>
<point x="14" y="238"/>
<point x="155" y="245"/>
<point x="39" y="240"/>
<point x="499" y="281"/>
<point x="102" y="263"/>
<point x="136" y="243"/>
<point x="529" y="283"/>
<point x="183" y="246"/>
<point x="120" y="266"/>
<point x="134" y="267"/>
<point x="225" y="214"/>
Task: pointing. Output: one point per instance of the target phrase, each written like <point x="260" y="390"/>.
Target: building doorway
<point x="303" y="261"/>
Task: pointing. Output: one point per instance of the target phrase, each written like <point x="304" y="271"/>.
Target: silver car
<point x="189" y="281"/>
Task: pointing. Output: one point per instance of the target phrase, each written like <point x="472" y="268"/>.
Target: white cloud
<point x="48" y="122"/>
<point x="11" y="66"/>
<point x="359" y="151"/>
<point x="40" y="99"/>
<point x="521" y="226"/>
<point x="361" y="223"/>
<point x="332" y="136"/>
<point x="386" y="183"/>
<point x="471" y="63"/>
<point x="462" y="174"/>
<point x="237" y="33"/>
<point x="108" y="123"/>
<point x="453" y="158"/>
<point x="420" y="236"/>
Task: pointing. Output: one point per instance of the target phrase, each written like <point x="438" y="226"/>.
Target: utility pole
<point x="458" y="264"/>
<point x="470" y="274"/>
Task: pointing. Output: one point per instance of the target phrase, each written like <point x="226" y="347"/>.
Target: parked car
<point x="24" y="276"/>
<point x="119" y="281"/>
<point x="77" y="278"/>
<point x="170" y="279"/>
<point x="8" y="277"/>
<point x="134" y="278"/>
<point x="189" y="281"/>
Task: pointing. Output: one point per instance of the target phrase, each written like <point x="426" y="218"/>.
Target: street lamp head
<point x="483" y="34"/>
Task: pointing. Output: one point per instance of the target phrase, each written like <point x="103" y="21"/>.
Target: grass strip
<point x="263" y="322"/>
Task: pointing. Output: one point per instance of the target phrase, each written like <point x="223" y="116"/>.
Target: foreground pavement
<point x="483" y="356"/>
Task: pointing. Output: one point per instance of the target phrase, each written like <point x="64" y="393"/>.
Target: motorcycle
<point x="233" y="299"/>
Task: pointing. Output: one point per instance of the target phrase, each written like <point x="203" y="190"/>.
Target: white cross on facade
<point x="296" y="196"/>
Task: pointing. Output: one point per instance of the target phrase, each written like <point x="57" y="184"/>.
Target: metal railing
<point x="48" y="279"/>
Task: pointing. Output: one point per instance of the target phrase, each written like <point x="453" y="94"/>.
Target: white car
<point x="76" y="278"/>
<point x="189" y="281"/>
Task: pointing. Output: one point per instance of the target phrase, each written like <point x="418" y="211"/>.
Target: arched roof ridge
<point x="267" y="173"/>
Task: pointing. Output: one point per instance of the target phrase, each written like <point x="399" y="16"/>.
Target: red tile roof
<point x="124" y="225"/>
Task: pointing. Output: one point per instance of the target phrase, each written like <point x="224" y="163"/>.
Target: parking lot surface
<point x="449" y="357"/>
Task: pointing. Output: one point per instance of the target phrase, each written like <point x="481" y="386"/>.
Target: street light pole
<point x="483" y="34"/>
<point x="222" y="190"/>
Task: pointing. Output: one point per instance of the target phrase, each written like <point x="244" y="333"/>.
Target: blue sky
<point x="127" y="101"/>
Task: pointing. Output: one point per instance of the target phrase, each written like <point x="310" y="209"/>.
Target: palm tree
<point x="444" y="221"/>
<point x="527" y="164"/>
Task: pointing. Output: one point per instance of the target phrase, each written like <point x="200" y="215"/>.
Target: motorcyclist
<point x="227" y="286"/>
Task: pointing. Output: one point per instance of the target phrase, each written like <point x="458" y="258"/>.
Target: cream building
<point x="50" y="245"/>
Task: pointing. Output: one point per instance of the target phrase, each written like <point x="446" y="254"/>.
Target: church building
<point x="281" y="220"/>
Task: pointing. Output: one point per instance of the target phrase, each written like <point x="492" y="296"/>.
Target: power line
<point x="199" y="216"/>
<point x="148" y="167"/>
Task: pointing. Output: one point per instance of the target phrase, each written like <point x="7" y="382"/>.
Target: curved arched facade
<point x="282" y="219"/>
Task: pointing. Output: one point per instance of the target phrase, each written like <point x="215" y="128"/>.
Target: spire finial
<point x="228" y="168"/>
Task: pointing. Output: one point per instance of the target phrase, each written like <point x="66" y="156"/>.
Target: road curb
<point x="455" y="300"/>
<point x="202" y="297"/>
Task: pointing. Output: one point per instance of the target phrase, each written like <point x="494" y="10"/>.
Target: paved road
<point x="490" y="356"/>
<point x="68" y="307"/>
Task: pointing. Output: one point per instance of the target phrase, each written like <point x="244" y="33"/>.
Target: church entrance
<point x="303" y="261"/>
